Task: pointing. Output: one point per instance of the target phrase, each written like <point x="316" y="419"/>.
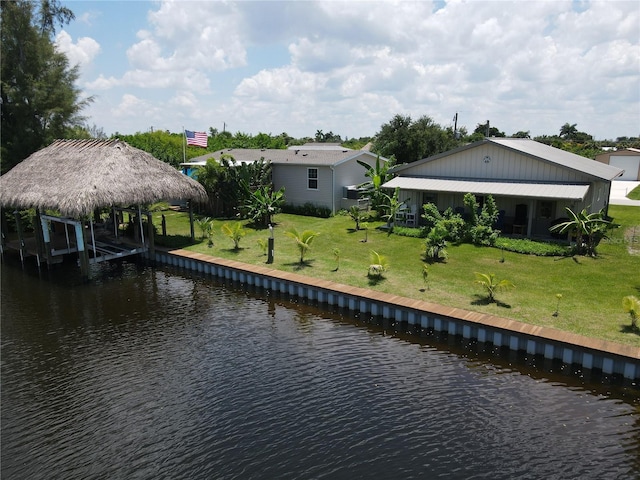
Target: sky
<point x="350" y="67"/>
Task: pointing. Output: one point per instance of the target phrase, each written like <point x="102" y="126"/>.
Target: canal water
<point x="156" y="373"/>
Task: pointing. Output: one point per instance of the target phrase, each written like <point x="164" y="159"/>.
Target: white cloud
<point x="81" y="53"/>
<point x="356" y="64"/>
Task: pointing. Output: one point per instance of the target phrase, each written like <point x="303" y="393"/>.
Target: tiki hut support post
<point x="39" y="237"/>
<point x="193" y="233"/>
<point x="83" y="255"/>
<point x="150" y="236"/>
<point x="4" y="229"/>
<point x="141" y="227"/>
<point x="93" y="236"/>
<point x="16" y="214"/>
<point x="46" y="238"/>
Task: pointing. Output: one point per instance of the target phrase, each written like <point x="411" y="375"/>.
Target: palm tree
<point x="303" y="240"/>
<point x="204" y="224"/>
<point x="378" y="174"/>
<point x="263" y="204"/>
<point x="378" y="264"/>
<point x="235" y="233"/>
<point x="356" y="215"/>
<point x="392" y="207"/>
<point x="589" y="226"/>
<point x="568" y="131"/>
<point x="491" y="285"/>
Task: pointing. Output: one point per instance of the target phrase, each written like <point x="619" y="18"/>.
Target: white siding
<point x="294" y="180"/>
<point x="503" y="165"/>
<point x="350" y="173"/>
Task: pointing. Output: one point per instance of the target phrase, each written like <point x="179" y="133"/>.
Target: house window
<point x="312" y="178"/>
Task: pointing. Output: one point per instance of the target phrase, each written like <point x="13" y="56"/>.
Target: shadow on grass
<point x="234" y="251"/>
<point x="630" y="329"/>
<point x="374" y="280"/>
<point x="175" y="241"/>
<point x="482" y="300"/>
<point x="298" y="266"/>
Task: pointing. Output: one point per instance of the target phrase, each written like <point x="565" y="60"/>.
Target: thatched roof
<point x="77" y="176"/>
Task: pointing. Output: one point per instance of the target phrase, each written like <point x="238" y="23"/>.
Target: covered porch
<point x="526" y="209"/>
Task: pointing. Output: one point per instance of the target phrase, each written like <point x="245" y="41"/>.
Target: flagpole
<point x="184" y="147"/>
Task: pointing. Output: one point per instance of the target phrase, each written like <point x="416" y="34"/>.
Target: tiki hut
<point x="77" y="177"/>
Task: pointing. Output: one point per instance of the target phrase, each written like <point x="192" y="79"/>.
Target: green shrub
<point x="308" y="210"/>
<point x="532" y="247"/>
<point x="412" y="232"/>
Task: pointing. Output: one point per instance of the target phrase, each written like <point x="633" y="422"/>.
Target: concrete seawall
<point x="587" y="353"/>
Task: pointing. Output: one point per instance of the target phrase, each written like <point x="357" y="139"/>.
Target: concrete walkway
<point x="619" y="191"/>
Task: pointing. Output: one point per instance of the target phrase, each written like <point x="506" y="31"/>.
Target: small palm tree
<point x="303" y="240"/>
<point x="336" y="255"/>
<point x="356" y="215"/>
<point x="631" y="305"/>
<point x="393" y="206"/>
<point x="235" y="233"/>
<point x="205" y="225"/>
<point x="491" y="285"/>
<point x="425" y="275"/>
<point x="378" y="264"/>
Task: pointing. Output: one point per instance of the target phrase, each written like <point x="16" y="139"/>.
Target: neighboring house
<point x="325" y="177"/>
<point x="628" y="159"/>
<point x="531" y="182"/>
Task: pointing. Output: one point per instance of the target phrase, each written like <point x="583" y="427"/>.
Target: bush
<point x="308" y="210"/>
<point x="531" y="247"/>
<point x="410" y="232"/>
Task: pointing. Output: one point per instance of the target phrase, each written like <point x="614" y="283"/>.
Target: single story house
<point x="627" y="158"/>
<point x="531" y="182"/>
<point x="323" y="177"/>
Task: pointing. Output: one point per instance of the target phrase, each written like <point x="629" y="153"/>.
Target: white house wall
<point x="350" y="173"/>
<point x="504" y="164"/>
<point x="294" y="180"/>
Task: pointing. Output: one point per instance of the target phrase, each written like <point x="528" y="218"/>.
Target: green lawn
<point x="634" y="194"/>
<point x="592" y="288"/>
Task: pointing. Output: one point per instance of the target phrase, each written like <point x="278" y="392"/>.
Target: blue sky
<point x="349" y="67"/>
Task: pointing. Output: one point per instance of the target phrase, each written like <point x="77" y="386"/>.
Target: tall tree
<point x="410" y="141"/>
<point x="40" y="101"/>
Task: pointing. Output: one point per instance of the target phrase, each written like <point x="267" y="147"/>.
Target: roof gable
<point x="536" y="150"/>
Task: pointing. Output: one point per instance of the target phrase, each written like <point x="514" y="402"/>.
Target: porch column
<point x="530" y="219"/>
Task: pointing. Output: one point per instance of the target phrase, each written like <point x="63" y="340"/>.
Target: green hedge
<point x="532" y="247"/>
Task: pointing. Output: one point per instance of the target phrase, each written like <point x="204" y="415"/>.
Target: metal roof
<point x="510" y="189"/>
<point x="284" y="157"/>
<point x="559" y="156"/>
<point x="536" y="150"/>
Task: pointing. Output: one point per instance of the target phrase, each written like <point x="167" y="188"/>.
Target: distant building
<point x="628" y="159"/>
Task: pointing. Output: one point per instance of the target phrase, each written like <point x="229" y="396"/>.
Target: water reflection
<point x="151" y="373"/>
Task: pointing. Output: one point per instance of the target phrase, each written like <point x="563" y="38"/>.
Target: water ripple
<point x="188" y="379"/>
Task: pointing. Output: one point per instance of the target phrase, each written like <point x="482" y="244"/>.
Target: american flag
<point x="199" y="139"/>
